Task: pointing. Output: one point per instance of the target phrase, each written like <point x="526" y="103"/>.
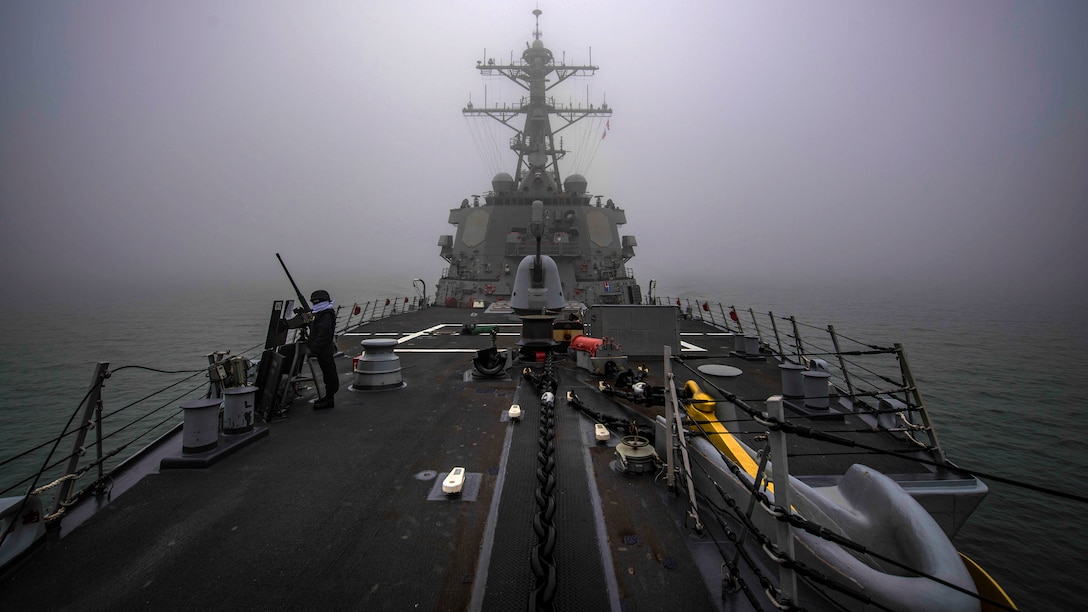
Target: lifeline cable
<point x="815" y="434"/>
<point x="22" y="504"/>
<point x="119" y="430"/>
<point x="781" y="514"/>
<point x="764" y="540"/>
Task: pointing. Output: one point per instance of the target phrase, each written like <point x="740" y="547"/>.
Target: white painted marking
<point x="437" y="350"/>
<point x="687" y="346"/>
<point x="417" y="334"/>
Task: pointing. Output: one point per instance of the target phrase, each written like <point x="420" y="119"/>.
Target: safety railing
<point x="875" y="378"/>
<point x="126" y="409"/>
<point x="373" y="310"/>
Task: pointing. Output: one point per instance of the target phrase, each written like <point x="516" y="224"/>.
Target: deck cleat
<point x="454" y="481"/>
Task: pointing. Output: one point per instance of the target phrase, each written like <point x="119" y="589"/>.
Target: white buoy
<point x="454" y="481"/>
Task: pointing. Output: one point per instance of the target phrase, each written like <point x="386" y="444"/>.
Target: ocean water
<point x="1002" y="380"/>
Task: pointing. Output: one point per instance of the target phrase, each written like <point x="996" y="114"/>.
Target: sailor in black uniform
<point x="321" y="345"/>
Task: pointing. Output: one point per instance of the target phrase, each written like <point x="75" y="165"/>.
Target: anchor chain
<point x="615" y="424"/>
<point x="541" y="558"/>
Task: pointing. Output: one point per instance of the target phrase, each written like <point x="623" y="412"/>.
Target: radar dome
<point x="575" y="185"/>
<point x="502" y="182"/>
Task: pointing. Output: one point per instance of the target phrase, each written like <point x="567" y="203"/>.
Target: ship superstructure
<point x="580" y="230"/>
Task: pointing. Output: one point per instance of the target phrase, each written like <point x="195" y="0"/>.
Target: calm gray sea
<point x="1002" y="376"/>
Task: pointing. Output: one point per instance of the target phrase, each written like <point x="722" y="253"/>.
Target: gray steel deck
<point x="338" y="509"/>
<point x="331" y="510"/>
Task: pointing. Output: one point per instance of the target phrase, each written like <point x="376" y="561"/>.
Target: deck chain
<point x="541" y="559"/>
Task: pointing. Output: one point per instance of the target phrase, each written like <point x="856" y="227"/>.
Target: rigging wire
<point x="483" y="144"/>
<point x="116" y="451"/>
<point x="750" y="527"/>
<point x="47" y="463"/>
<point x="153" y="411"/>
<point x="66" y="432"/>
<point x="782" y="514"/>
<point x="812" y="433"/>
<point x="22" y="504"/>
<point x="816" y="434"/>
<point x="194" y="373"/>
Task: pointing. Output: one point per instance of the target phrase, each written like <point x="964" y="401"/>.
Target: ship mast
<point x="538" y="158"/>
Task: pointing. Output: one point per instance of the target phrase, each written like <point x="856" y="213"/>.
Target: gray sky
<point x="144" y="143"/>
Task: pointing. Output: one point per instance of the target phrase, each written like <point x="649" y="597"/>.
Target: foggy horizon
<point x="148" y="146"/>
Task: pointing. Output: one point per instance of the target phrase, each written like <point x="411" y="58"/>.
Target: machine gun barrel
<point x="301" y="300"/>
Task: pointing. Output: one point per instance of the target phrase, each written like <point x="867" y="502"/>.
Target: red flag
<point x="677" y="301"/>
<point x="603" y="134"/>
<point x="706" y="306"/>
<point x="386" y="301"/>
<point x="357" y="310"/>
<point x="733" y="313"/>
<point x="405" y="299"/>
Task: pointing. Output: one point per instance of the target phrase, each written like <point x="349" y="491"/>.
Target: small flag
<point x="386" y="301"/>
<point x="677" y="301"/>
<point x="733" y="313"/>
<point x="405" y="299"/>
<point x="356" y="310"/>
<point x="706" y="306"/>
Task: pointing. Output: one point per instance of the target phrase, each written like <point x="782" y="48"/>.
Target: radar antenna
<point x="537" y="169"/>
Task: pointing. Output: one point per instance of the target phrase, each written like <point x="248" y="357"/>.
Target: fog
<point x="154" y="145"/>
